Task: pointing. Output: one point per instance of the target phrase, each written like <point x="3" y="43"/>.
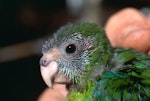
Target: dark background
<point x="26" y="20"/>
<point x="22" y="21"/>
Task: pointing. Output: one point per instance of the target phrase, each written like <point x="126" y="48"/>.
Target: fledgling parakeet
<point x="81" y="56"/>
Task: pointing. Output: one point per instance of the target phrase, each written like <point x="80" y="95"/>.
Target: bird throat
<point x="82" y="92"/>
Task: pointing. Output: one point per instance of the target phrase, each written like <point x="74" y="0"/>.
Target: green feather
<point x="84" y="95"/>
<point x="129" y="83"/>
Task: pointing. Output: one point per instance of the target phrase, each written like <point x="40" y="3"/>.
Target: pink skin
<point x="129" y="28"/>
<point x="58" y="93"/>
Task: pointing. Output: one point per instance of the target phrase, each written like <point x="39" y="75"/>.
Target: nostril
<point x="44" y="61"/>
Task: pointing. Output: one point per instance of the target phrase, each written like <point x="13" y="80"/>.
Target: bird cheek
<point x="61" y="78"/>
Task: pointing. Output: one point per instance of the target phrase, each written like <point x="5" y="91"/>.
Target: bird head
<point x="74" y="54"/>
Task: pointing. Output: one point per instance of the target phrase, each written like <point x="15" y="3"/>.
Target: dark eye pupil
<point x="71" y="48"/>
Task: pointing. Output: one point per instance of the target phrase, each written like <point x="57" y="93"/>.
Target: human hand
<point x="58" y="93"/>
<point x="129" y="28"/>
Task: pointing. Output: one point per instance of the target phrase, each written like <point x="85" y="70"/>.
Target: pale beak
<point x="48" y="73"/>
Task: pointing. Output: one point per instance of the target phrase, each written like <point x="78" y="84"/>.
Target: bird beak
<point x="48" y="73"/>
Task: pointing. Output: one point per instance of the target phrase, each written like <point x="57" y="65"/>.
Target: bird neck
<point x="84" y="95"/>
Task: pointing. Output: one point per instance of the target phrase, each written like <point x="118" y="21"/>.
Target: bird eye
<point x="70" y="48"/>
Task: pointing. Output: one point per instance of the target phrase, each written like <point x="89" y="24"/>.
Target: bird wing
<point x="130" y="82"/>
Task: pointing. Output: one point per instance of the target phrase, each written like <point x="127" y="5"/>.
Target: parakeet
<point x="81" y="56"/>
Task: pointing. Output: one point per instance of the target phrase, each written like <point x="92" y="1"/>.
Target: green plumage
<point x="111" y="74"/>
<point x="127" y="76"/>
<point x="130" y="82"/>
